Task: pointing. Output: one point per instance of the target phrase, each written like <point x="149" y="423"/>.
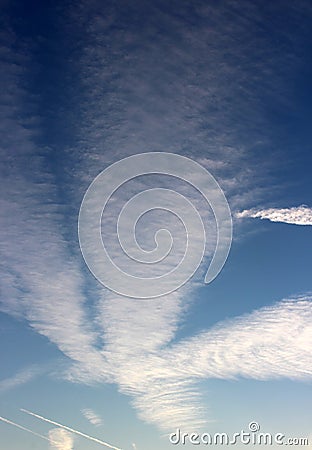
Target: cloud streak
<point x="42" y="280"/>
<point x="71" y="430"/>
<point x="21" y="427"/>
<point x="270" y="343"/>
<point x="20" y="378"/>
<point x="92" y="417"/>
<point x="297" y="215"/>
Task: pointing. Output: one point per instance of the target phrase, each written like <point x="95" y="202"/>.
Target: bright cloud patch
<point x="92" y="417"/>
<point x="61" y="439"/>
<point x="301" y="215"/>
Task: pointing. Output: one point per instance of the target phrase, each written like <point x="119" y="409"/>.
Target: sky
<point x="86" y="84"/>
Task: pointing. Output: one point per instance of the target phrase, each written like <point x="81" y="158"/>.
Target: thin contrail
<point x="98" y="441"/>
<point x="3" y="419"/>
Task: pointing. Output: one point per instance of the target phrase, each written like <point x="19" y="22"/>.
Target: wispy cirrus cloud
<point x="272" y="342"/>
<point x="297" y="215"/>
<point x="41" y="279"/>
<point x="142" y="105"/>
<point x="22" y="377"/>
<point x="92" y="417"/>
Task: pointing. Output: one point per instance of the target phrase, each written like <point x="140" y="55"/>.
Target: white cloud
<point x="61" y="439"/>
<point x="300" y="215"/>
<point x="41" y="278"/>
<point x="92" y="417"/>
<point x="130" y="343"/>
<point x="273" y="342"/>
<point x="21" y="377"/>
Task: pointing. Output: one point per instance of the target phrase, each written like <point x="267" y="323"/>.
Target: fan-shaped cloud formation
<point x="300" y="215"/>
<point x="43" y="281"/>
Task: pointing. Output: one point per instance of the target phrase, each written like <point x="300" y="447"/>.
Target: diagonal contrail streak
<point x="98" y="441"/>
<point x="3" y="419"/>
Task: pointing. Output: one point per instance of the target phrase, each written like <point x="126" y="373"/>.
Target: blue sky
<point x="86" y="84"/>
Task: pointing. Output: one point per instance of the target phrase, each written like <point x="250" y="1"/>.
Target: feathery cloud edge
<point x="297" y="215"/>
